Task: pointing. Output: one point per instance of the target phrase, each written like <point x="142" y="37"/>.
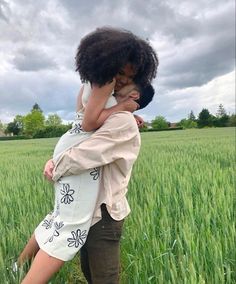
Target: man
<point x="114" y="147"/>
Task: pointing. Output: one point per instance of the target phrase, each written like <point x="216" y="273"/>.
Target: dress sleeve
<point x="118" y="140"/>
<point x="86" y="93"/>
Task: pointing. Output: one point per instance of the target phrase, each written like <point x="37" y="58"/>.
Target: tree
<point x="187" y="123"/>
<point x="53" y="120"/>
<point x="204" y="118"/>
<point x="1" y="126"/>
<point x="12" y="127"/>
<point x="16" y="126"/>
<point x="232" y="120"/>
<point x="19" y="121"/>
<point x="36" y="107"/>
<point x="221" y="111"/>
<point x="221" y="119"/>
<point x="51" y="131"/>
<point x="191" y="116"/>
<point x="159" y="123"/>
<point x="33" y="122"/>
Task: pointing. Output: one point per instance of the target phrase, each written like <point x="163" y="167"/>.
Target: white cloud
<point x="194" y="40"/>
<point x="177" y="104"/>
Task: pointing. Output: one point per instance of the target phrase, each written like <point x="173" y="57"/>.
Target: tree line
<point x="204" y="119"/>
<point x="35" y="125"/>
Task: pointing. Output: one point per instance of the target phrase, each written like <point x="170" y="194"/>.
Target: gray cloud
<point x="194" y="40"/>
<point x="199" y="63"/>
<point x="53" y="92"/>
<point x="199" y="59"/>
<point x="33" y="59"/>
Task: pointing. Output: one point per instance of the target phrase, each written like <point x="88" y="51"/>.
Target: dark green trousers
<point x="100" y="255"/>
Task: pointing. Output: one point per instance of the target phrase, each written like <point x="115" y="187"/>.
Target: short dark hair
<point x="103" y="52"/>
<point x="146" y="95"/>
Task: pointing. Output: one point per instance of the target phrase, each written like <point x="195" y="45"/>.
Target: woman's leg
<point x="29" y="251"/>
<point x="42" y="269"/>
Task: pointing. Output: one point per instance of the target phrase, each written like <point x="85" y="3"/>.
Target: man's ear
<point x="134" y="95"/>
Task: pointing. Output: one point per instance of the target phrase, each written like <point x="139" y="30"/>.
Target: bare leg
<point x="42" y="269"/>
<point x="29" y="251"/>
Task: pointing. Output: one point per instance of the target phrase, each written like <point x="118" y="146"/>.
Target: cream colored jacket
<point x="114" y="147"/>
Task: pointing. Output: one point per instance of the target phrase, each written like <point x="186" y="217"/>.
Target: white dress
<point x="63" y="231"/>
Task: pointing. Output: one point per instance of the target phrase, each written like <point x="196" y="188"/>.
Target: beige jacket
<point x="114" y="147"/>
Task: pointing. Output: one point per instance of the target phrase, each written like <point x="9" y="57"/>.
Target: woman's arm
<point x="95" y="105"/>
<point x="127" y="105"/>
<point x="95" y="113"/>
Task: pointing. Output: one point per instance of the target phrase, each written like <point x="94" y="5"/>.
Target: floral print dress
<point x="64" y="231"/>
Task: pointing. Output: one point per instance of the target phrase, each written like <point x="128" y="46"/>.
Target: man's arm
<point x="117" y="140"/>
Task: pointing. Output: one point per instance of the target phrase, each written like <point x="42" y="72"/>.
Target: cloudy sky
<point x="195" y="42"/>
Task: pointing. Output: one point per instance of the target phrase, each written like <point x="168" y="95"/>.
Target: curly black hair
<point x="146" y="95"/>
<point x="103" y="52"/>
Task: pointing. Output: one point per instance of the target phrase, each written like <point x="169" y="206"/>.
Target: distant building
<point x="148" y="124"/>
<point x="173" y="125"/>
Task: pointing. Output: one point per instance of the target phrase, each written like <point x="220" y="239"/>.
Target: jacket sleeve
<point x="117" y="140"/>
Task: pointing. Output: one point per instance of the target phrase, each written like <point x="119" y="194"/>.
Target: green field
<point x="181" y="228"/>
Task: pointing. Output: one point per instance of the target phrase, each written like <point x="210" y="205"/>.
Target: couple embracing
<point x="92" y="162"/>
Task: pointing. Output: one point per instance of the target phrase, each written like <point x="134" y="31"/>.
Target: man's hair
<point x="103" y="52"/>
<point x="146" y="95"/>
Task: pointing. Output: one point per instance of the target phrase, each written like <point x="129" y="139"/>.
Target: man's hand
<point x="129" y="105"/>
<point x="48" y="169"/>
<point x="139" y="120"/>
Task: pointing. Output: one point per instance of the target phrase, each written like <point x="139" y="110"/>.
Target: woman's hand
<point x="129" y="105"/>
<point x="48" y="169"/>
<point x="139" y="120"/>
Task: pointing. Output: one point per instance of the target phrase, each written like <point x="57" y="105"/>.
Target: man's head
<point x="142" y="95"/>
<point x="128" y="91"/>
<point x="146" y="95"/>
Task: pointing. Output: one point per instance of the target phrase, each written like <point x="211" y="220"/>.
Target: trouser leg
<point x="84" y="262"/>
<point x="100" y="256"/>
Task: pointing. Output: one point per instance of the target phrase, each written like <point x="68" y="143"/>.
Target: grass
<point x="181" y="228"/>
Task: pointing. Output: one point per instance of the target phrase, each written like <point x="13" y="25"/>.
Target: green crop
<point x="181" y="227"/>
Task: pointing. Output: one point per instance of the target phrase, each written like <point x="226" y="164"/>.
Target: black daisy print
<point x="59" y="225"/>
<point x="77" y="128"/>
<point x="47" y="223"/>
<point x="78" y="238"/>
<point x="56" y="233"/>
<point x="67" y="193"/>
<point x="95" y="173"/>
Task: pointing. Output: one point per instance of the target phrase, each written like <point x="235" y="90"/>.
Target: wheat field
<point x="181" y="227"/>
